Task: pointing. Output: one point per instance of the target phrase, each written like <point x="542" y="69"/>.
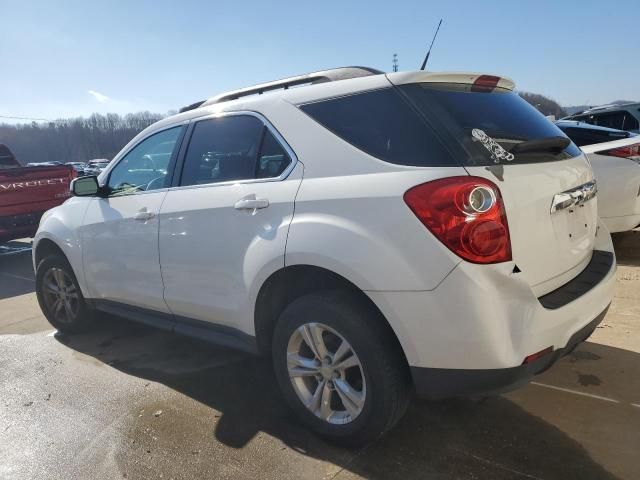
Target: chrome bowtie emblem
<point x="574" y="197"/>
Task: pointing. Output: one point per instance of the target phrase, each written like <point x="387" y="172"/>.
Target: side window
<point x="237" y="147"/>
<point x="273" y="159"/>
<point x="610" y="120"/>
<point x="630" y="122"/>
<point x="382" y="124"/>
<point x="146" y="166"/>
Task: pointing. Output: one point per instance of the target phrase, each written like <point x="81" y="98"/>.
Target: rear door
<point x="223" y="228"/>
<point x="497" y="135"/>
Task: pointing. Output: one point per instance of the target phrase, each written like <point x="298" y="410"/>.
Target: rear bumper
<point x="438" y="383"/>
<point x="487" y="319"/>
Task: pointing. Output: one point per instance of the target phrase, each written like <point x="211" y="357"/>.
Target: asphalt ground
<point x="129" y="401"/>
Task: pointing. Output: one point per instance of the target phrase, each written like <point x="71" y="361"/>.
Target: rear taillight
<point x="632" y="152"/>
<point x="466" y="214"/>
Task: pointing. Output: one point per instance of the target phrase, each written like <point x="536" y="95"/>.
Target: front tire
<point x="60" y="297"/>
<point x="339" y="368"/>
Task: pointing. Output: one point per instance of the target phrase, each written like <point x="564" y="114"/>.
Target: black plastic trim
<point x="198" y="329"/>
<point x="440" y="383"/>
<point x="598" y="268"/>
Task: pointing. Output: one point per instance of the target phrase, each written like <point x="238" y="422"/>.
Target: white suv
<point x="373" y="233"/>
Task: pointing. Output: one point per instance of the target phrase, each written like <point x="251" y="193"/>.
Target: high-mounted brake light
<point x="485" y="83"/>
<point x="466" y="214"/>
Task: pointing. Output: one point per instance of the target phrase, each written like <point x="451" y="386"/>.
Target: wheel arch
<point x="292" y="282"/>
<point x="46" y="247"/>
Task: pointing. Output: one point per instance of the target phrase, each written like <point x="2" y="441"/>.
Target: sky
<point x="70" y="58"/>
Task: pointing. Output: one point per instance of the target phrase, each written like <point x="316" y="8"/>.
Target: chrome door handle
<point x="251" y="204"/>
<point x="144" y="215"/>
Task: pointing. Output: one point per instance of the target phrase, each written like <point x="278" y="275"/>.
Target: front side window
<point x="146" y="166"/>
<point x="237" y="147"/>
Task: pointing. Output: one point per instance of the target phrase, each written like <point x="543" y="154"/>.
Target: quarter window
<point x="383" y="125"/>
<point x="273" y="159"/>
<point x="146" y="166"/>
<point x="237" y="147"/>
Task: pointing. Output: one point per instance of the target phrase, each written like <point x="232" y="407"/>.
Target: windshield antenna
<point x="426" y="59"/>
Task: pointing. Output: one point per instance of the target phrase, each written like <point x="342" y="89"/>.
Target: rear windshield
<point x="442" y="125"/>
<point x="590" y="136"/>
<point x="487" y="125"/>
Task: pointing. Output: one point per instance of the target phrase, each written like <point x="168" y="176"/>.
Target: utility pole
<point x="395" y="62"/>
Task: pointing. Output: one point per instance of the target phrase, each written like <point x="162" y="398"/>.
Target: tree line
<point x="102" y="136"/>
<point x="544" y="104"/>
<point x="74" y="139"/>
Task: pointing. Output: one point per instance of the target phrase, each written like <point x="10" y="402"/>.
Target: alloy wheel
<point x="60" y="295"/>
<point x="326" y="373"/>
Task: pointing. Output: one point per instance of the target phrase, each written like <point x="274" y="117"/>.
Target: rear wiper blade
<point x="548" y="144"/>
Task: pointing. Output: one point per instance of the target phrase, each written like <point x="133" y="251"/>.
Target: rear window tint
<point x="455" y="112"/>
<point x="384" y="125"/>
<point x="586" y="136"/>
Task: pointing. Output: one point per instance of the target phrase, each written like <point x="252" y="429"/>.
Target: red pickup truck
<point x="27" y="192"/>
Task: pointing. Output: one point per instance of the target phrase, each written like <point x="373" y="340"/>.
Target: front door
<point x="120" y="232"/>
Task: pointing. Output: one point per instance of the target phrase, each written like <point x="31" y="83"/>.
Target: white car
<point x="372" y="233"/>
<point x="615" y="160"/>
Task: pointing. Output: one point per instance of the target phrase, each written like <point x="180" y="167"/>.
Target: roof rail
<point x="604" y="107"/>
<point x="193" y="106"/>
<point x="322" y="76"/>
<point x="599" y="107"/>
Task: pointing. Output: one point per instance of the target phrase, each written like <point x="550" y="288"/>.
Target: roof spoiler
<point x="481" y="81"/>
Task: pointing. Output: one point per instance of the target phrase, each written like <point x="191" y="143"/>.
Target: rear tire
<point x="60" y="297"/>
<point x="354" y="405"/>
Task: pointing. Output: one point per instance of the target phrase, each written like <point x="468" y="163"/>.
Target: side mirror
<point x="85" y="186"/>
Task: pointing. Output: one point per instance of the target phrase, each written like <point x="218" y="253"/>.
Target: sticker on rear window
<point x="497" y="152"/>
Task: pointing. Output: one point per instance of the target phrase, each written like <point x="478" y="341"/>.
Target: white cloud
<point x="98" y="96"/>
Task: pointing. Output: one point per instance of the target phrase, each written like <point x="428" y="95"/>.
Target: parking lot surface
<point x="131" y="402"/>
